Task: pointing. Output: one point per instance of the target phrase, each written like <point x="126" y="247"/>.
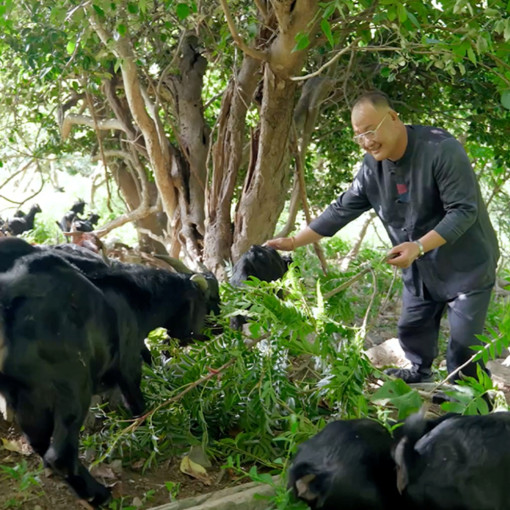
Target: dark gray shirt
<point x="432" y="187"/>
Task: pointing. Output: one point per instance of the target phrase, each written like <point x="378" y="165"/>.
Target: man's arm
<point x="305" y="236"/>
<point x="407" y="253"/>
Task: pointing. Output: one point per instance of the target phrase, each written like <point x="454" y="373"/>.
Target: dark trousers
<point x="418" y="328"/>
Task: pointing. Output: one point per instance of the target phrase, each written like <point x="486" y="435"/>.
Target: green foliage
<point x="400" y="395"/>
<point x="27" y="484"/>
<point x="298" y="368"/>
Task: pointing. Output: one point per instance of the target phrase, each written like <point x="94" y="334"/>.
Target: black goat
<point x="76" y="209"/>
<point x="70" y="280"/>
<point x="148" y="296"/>
<point x="85" y="225"/>
<point x="262" y="262"/>
<point x="455" y="462"/>
<point x="20" y="224"/>
<point x="347" y="465"/>
<point x="58" y="346"/>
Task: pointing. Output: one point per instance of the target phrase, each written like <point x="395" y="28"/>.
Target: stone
<point x="240" y="497"/>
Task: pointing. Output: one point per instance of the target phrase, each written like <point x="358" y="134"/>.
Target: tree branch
<point x="85" y="120"/>
<point x="252" y="52"/>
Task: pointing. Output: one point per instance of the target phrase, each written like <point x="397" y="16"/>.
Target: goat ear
<point x="200" y="280"/>
<point x="398" y="456"/>
<point x="303" y="488"/>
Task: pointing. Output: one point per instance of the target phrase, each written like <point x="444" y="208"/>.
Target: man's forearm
<point x="431" y="240"/>
<point x="306" y="236"/>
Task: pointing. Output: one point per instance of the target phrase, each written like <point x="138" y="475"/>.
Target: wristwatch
<point x="420" y="246"/>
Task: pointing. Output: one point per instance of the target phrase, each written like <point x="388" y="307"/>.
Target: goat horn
<point x="200" y="280"/>
<point x="177" y="264"/>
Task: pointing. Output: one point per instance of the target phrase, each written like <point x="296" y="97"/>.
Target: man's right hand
<point x="281" y="243"/>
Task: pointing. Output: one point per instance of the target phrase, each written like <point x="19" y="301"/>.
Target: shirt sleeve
<point x="458" y="190"/>
<point x="347" y="207"/>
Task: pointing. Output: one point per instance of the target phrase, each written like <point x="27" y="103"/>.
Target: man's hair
<point x="376" y="98"/>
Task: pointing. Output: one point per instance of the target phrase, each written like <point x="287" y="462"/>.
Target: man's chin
<point x="377" y="154"/>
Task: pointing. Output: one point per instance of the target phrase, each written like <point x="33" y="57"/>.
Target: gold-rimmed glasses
<point x="370" y="134"/>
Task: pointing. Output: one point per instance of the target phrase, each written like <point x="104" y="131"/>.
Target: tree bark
<point x="155" y="222"/>
<point x="193" y="132"/>
<point x="227" y="156"/>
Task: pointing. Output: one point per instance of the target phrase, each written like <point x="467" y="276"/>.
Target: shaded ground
<point x="28" y="487"/>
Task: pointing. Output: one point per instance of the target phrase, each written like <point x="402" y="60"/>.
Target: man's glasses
<point x="368" y="135"/>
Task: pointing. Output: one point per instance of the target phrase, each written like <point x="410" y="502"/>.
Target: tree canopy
<point x="209" y="111"/>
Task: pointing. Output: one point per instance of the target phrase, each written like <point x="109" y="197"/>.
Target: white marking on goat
<point x="303" y="489"/>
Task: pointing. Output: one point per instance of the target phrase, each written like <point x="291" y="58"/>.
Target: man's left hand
<point x="403" y="255"/>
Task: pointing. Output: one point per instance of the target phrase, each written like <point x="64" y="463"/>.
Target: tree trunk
<point x="155" y="222"/>
<point x="227" y="157"/>
<point x="266" y="186"/>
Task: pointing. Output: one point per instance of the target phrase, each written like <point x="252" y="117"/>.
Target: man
<point x="420" y="183"/>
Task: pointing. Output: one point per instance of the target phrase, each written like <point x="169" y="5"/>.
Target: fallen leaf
<point x="194" y="470"/>
<point x="16" y="445"/>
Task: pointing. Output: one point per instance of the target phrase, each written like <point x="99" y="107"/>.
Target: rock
<point x="389" y="353"/>
<point x="500" y="372"/>
<point x="240" y="497"/>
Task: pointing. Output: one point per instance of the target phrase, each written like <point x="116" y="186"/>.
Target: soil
<point x="131" y="488"/>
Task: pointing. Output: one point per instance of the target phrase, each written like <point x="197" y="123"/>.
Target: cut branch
<point x="84" y="120"/>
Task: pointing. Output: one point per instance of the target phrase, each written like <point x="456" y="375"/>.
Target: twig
<point x="327" y="64"/>
<point x="363" y="328"/>
<point x="252" y="52"/>
<point x="368" y="266"/>
<point x="470" y="360"/>
<point x="387" y="297"/>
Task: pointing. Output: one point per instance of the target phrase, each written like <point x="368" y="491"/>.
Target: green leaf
<point x="481" y="44"/>
<point x="326" y="28"/>
<point x="392" y="13"/>
<point x="471" y="55"/>
<point x="183" y="11"/>
<point x="402" y="13"/>
<point x="413" y="19"/>
<point x="98" y="10"/>
<point x="71" y="45"/>
<point x="385" y="72"/>
<point x="406" y="400"/>
<point x="132" y="8"/>
<point x="302" y="42"/>
<point x="121" y="29"/>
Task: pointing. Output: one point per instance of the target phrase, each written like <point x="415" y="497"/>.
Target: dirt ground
<point x="131" y="488"/>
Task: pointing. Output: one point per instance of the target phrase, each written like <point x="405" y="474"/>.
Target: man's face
<point x="378" y="129"/>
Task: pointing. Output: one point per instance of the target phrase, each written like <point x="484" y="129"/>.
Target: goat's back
<point x="459" y="463"/>
<point x="347" y="465"/>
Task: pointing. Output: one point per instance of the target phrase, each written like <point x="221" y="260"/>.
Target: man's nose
<point x="365" y="142"/>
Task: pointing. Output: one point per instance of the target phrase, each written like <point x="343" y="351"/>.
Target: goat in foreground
<point x="347" y="465"/>
<point x="58" y="347"/>
<point x="72" y="325"/>
<point x="455" y="462"/>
